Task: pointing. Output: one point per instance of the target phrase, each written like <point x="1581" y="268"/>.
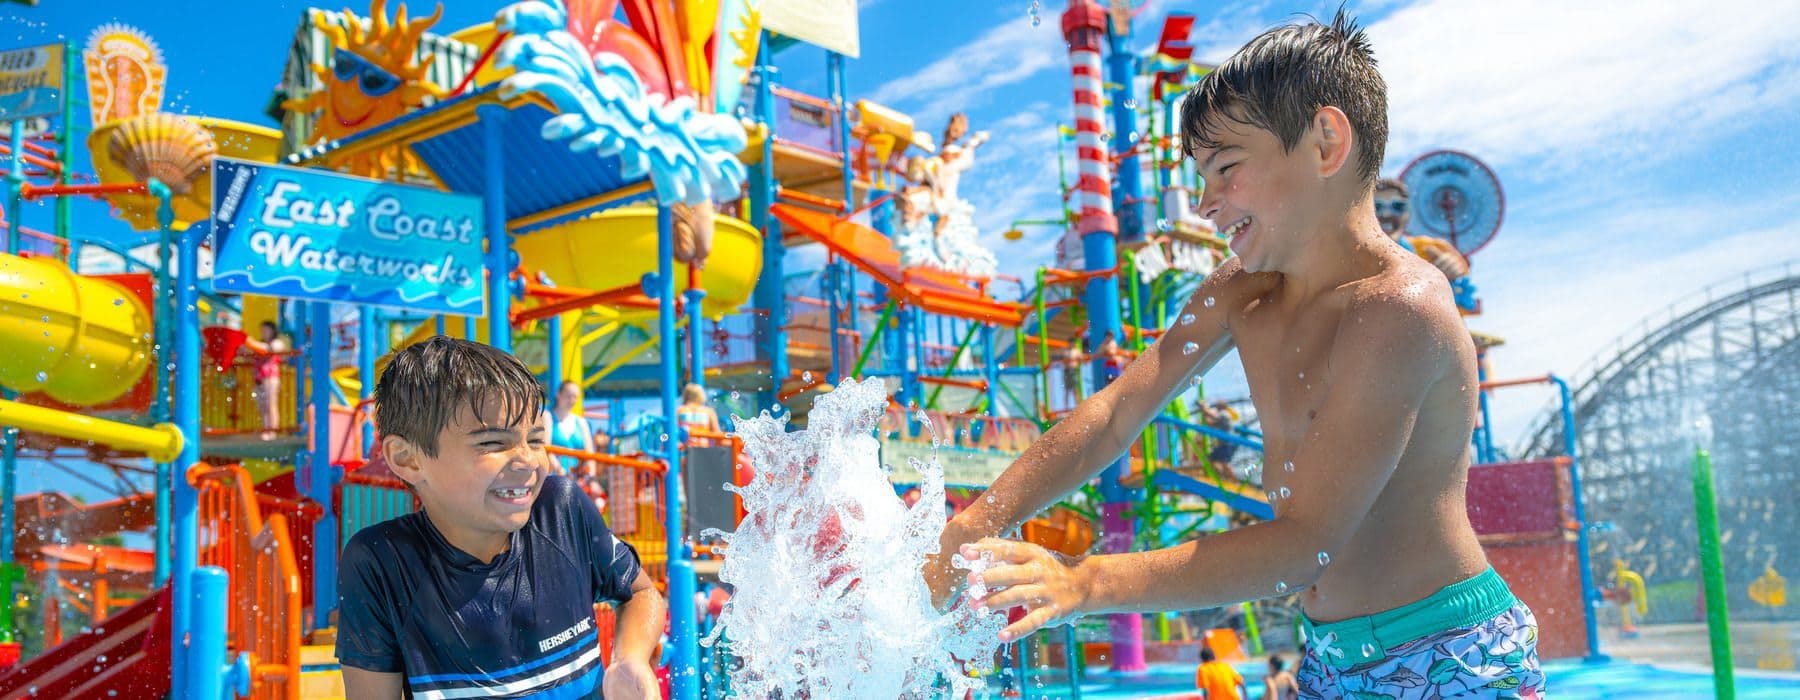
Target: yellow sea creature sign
<point x="31" y="82"/>
<point x="125" y="73"/>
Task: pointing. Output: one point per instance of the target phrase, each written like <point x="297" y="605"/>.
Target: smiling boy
<point x="489" y="589"/>
<point x="1364" y="378"/>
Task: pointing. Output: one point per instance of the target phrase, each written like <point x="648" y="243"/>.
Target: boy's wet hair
<point x="426" y="385"/>
<point x="1279" y="80"/>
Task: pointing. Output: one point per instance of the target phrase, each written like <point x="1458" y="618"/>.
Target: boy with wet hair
<point x="490" y="588"/>
<point x="1364" y="378"/>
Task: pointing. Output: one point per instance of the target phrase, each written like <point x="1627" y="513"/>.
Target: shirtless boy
<point x="1365" y="380"/>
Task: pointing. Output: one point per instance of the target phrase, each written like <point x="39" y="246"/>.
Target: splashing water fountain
<point x="826" y="566"/>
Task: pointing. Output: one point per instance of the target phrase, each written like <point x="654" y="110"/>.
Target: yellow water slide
<point x="80" y="340"/>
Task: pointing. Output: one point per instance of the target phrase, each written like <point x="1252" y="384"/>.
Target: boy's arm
<point x="1383" y="364"/>
<point x="370" y="685"/>
<point x="640" y="622"/>
<point x="1100" y="429"/>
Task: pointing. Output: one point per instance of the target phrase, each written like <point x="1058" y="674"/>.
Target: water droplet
<point x="1195" y="382"/>
<point x="1288" y="467"/>
<point x="1285" y="493"/>
<point x="1187" y="319"/>
<point x="1162" y="225"/>
<point x="1271" y="496"/>
<point x="1209" y="302"/>
<point x="806" y="376"/>
<point x="43" y="377"/>
<point x="1368" y="650"/>
<point x="990" y="498"/>
<point x="1190" y="348"/>
<point x="663" y="437"/>
<point x="1281" y="586"/>
<point x="1324" y="559"/>
<point x="734" y="396"/>
<point x="119" y="301"/>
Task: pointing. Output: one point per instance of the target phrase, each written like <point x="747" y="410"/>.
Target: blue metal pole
<point x="493" y="195"/>
<point x="1484" y="435"/>
<point x="683" y="631"/>
<point x="367" y="323"/>
<point x="1128" y="188"/>
<point x="697" y="356"/>
<point x="208" y="594"/>
<point x="834" y="65"/>
<point x="990" y="369"/>
<point x="318" y="487"/>
<point x="828" y="285"/>
<point x="769" y="296"/>
<point x="553" y="378"/>
<point x="191" y="623"/>
<point x="1590" y="596"/>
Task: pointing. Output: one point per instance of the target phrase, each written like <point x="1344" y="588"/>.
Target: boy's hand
<point x="1052" y="589"/>
<point x="629" y="679"/>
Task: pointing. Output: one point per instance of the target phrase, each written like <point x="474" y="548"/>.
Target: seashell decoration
<point x="170" y="148"/>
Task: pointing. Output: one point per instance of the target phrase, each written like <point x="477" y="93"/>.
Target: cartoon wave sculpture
<point x="689" y="155"/>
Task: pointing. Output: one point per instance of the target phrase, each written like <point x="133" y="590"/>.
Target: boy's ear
<point x="1333" y="140"/>
<point x="404" y="458"/>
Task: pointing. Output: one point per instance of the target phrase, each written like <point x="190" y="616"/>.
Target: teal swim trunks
<point x="1471" y="639"/>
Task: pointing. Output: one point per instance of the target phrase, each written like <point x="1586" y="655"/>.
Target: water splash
<point x="829" y="602"/>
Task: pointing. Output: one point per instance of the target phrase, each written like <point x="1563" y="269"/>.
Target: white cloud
<point x="1006" y="54"/>
<point x="1561" y="84"/>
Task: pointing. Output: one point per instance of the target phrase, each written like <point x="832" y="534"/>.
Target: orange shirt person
<point x="1216" y="679"/>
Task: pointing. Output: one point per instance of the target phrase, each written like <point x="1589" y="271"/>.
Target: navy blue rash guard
<point x="520" y="626"/>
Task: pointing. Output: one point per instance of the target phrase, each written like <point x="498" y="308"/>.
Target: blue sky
<point x="1645" y="151"/>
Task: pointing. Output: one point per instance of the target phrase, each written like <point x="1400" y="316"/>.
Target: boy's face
<point x="485" y="477"/>
<point x="1261" y="196"/>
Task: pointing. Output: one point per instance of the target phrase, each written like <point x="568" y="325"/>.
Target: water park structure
<point x="614" y="192"/>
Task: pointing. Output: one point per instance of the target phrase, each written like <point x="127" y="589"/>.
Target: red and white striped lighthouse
<point x="1084" y="27"/>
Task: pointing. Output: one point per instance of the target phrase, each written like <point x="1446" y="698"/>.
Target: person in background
<point x="1216" y="679"/>
<point x="569" y="429"/>
<point x="266" y="353"/>
<point x="1218" y="416"/>
<point x="1073" y="362"/>
<point x="1280" y="683"/>
<point x="695" y="414"/>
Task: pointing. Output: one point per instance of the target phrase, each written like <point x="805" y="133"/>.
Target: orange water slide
<point x="932" y="290"/>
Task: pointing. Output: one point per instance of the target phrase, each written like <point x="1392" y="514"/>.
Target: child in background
<point x="1216" y="679"/>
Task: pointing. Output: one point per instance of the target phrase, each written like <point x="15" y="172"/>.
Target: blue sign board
<point x="319" y="235"/>
<point x="31" y="82"/>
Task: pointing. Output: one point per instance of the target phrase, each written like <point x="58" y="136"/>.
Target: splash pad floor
<point x="1608" y="680"/>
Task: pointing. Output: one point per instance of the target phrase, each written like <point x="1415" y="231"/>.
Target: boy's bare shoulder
<point x="1410" y="301"/>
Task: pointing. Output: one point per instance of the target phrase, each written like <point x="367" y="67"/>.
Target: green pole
<point x="881" y="324"/>
<point x="1256" y="647"/>
<point x="1043" y="333"/>
<point x="66" y="151"/>
<point x="1712" y="569"/>
<point x="950" y="369"/>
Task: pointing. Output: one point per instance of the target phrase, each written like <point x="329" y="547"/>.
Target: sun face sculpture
<point x="373" y="78"/>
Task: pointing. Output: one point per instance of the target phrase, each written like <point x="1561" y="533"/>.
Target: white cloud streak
<point x="1562" y="85"/>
